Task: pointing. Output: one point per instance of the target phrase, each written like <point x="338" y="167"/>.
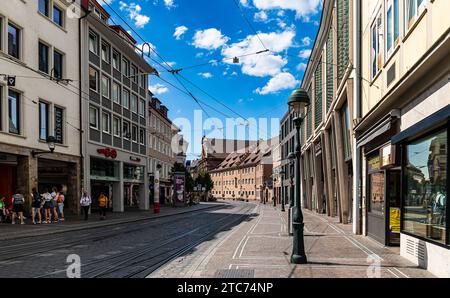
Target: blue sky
<point x="192" y="32"/>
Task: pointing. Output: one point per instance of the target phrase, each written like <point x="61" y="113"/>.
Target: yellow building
<point x="402" y="127"/>
<point x="245" y="175"/>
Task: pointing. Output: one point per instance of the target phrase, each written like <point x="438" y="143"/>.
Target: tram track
<point x="144" y="261"/>
<point x="28" y="249"/>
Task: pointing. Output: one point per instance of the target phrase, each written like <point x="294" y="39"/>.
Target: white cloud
<point x="244" y="3"/>
<point x="263" y="64"/>
<point x="279" y="82"/>
<point x="302" y="67"/>
<point x="306" y="42"/>
<point x="209" y="39"/>
<point x="261" y="16"/>
<point x="206" y="75"/>
<point x="179" y="31"/>
<point x="304" y="54"/>
<point x="134" y="13"/>
<point x="303" y="8"/>
<point x="169" y="3"/>
<point x="158" y="89"/>
<point x="171" y="63"/>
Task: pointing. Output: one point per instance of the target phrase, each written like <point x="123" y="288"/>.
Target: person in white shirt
<point x="47" y="206"/>
<point x="85" y="203"/>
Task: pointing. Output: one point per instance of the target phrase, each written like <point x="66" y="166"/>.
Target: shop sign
<point x="11" y="81"/>
<point x="387" y="156"/>
<point x="135" y="159"/>
<point x="394" y="220"/>
<point x="374" y="163"/>
<point x="108" y="153"/>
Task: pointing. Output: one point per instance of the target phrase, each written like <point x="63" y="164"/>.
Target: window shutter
<point x="318" y="93"/>
<point x="309" y="117"/>
<point x="329" y="67"/>
<point x="343" y="37"/>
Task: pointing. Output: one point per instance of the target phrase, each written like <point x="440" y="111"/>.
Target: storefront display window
<point x="134" y="173"/>
<point x="103" y="170"/>
<point x="425" y="198"/>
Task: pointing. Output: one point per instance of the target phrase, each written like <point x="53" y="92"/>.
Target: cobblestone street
<point x="262" y="248"/>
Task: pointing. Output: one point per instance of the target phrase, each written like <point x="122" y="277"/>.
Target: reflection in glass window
<point x="426" y="184"/>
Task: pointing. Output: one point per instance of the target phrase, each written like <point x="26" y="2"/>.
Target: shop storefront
<point x="381" y="181"/>
<point x="133" y="177"/>
<point x="8" y="174"/>
<point x="425" y="213"/>
<point x="104" y="176"/>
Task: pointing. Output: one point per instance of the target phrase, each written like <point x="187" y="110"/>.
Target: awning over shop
<point x="423" y="126"/>
<point x="374" y="132"/>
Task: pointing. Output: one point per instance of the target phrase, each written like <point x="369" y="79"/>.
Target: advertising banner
<point x="179" y="188"/>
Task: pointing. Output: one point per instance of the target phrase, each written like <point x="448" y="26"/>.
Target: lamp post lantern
<point x="298" y="100"/>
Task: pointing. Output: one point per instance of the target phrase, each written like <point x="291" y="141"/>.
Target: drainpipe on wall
<point x="80" y="85"/>
<point x="357" y="191"/>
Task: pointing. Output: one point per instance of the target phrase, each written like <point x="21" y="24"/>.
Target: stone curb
<point x="112" y="222"/>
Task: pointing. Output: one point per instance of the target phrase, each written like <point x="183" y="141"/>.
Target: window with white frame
<point x="126" y="130"/>
<point x="134" y="104"/>
<point x="376" y="31"/>
<point x="93" y="42"/>
<point x="134" y="133"/>
<point x="93" y="117"/>
<point x="93" y="79"/>
<point x="392" y="25"/>
<point x="106" y="50"/>
<point x="14" y="43"/>
<point x="106" y="84"/>
<point x="116" y="60"/>
<point x="116" y="93"/>
<point x="142" y="108"/>
<point x="413" y="9"/>
<point x="106" y="123"/>
<point x="116" y="127"/>
<point x="126" y="67"/>
<point x="126" y="99"/>
<point x="142" y="136"/>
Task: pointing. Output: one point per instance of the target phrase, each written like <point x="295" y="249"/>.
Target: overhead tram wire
<point x="249" y="23"/>
<point x="175" y="72"/>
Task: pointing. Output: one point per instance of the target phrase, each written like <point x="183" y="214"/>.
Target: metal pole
<point x="298" y="251"/>
<point x="282" y="194"/>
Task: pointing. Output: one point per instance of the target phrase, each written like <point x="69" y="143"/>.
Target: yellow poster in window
<point x="394" y="221"/>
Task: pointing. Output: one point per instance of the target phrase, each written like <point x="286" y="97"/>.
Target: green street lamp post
<point x="282" y="191"/>
<point x="298" y="100"/>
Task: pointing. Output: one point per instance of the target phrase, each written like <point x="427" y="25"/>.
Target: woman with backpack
<point x="18" y="202"/>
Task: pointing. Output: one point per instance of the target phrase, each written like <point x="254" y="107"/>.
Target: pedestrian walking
<point x="85" y="203"/>
<point x="60" y="202"/>
<point x="103" y="205"/>
<point x="36" y="206"/>
<point x="18" y="202"/>
<point x="54" y="204"/>
<point x="47" y="206"/>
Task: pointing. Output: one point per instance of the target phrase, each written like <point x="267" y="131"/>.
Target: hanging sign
<point x="11" y="81"/>
<point x="387" y="156"/>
